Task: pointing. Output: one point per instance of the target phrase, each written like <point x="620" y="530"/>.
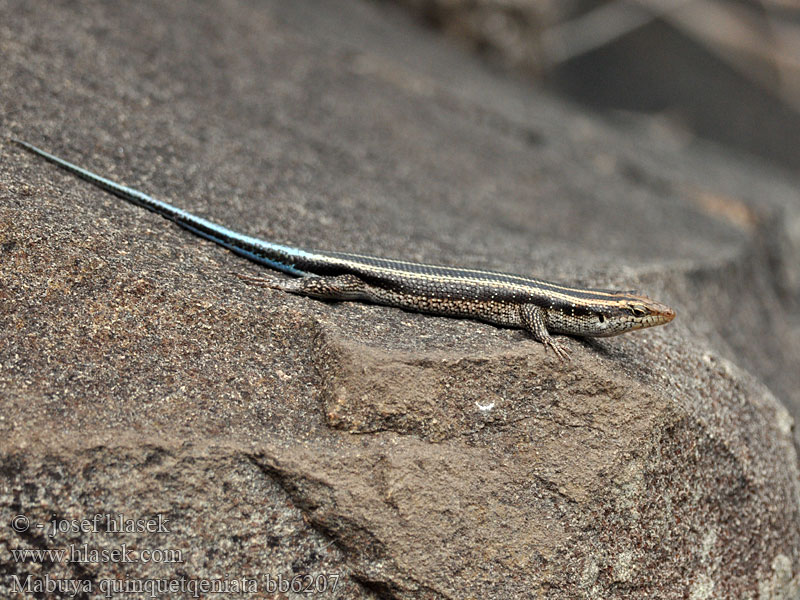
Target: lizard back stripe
<point x="400" y="275"/>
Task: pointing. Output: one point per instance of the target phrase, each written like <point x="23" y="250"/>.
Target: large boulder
<point x="165" y="424"/>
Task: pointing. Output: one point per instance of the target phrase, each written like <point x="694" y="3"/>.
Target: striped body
<point x="503" y="299"/>
<point x="485" y="295"/>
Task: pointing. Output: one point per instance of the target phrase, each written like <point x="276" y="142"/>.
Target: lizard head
<point x="625" y="311"/>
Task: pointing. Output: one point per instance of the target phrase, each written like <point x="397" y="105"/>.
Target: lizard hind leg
<point x="339" y="287"/>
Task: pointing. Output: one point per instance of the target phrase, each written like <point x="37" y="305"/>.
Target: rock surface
<point x="411" y="456"/>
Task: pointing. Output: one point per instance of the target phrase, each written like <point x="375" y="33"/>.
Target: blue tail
<point x="276" y="256"/>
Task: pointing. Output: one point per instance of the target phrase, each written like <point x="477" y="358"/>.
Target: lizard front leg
<point x="532" y="318"/>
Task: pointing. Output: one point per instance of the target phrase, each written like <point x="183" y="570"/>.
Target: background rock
<point x="726" y="71"/>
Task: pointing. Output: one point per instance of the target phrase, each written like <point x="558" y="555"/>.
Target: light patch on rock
<point x="780" y="586"/>
<point x="624" y="567"/>
<point x="589" y="574"/>
<point x="484" y="407"/>
<point x="702" y="588"/>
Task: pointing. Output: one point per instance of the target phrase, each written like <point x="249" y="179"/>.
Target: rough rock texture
<point x="409" y="455"/>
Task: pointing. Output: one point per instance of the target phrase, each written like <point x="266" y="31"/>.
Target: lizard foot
<point x="557" y="347"/>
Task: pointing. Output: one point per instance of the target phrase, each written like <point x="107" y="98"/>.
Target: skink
<point x="540" y="307"/>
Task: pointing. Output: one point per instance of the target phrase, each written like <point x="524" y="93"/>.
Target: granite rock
<point x="280" y="439"/>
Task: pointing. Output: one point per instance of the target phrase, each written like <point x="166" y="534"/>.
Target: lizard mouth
<point x="665" y="314"/>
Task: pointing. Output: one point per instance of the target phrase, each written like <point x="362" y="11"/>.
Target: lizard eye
<point x="638" y="311"/>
